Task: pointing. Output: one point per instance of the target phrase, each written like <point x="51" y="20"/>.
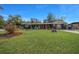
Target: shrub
<point x="10" y="28"/>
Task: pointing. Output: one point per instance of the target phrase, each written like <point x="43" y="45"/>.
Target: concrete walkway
<point x="1" y="29"/>
<point x="72" y="31"/>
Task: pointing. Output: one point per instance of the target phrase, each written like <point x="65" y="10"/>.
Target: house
<point x="57" y="24"/>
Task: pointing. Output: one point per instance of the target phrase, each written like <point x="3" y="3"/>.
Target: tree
<point x="62" y="18"/>
<point x="16" y="19"/>
<point x="45" y="21"/>
<point x="50" y="17"/>
<point x="10" y="18"/>
<point x="1" y="18"/>
<point x="11" y="26"/>
<point x="34" y="20"/>
<point x="1" y="21"/>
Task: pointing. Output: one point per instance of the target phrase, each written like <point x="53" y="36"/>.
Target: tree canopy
<point x="51" y="17"/>
<point x="1" y="21"/>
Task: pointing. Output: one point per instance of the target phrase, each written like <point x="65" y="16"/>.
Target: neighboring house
<point x="75" y="25"/>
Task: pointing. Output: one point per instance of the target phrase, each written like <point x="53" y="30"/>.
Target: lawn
<point x="40" y="41"/>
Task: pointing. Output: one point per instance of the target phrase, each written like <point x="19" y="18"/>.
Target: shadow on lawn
<point x="7" y="35"/>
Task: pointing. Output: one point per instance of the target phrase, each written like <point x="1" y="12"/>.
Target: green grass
<point x="41" y="41"/>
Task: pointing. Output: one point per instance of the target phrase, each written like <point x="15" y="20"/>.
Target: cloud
<point x="4" y="15"/>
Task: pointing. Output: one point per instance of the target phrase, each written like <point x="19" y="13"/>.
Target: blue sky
<point x="40" y="11"/>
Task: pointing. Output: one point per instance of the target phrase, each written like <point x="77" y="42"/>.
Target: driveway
<point x="72" y="31"/>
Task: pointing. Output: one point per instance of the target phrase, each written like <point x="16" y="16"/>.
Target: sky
<point x="40" y="11"/>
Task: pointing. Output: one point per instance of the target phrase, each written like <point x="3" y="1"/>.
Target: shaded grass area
<point x="41" y="41"/>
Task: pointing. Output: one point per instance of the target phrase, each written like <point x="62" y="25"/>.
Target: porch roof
<point x="44" y="23"/>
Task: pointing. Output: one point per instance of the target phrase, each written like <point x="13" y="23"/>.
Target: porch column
<point x="45" y="26"/>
